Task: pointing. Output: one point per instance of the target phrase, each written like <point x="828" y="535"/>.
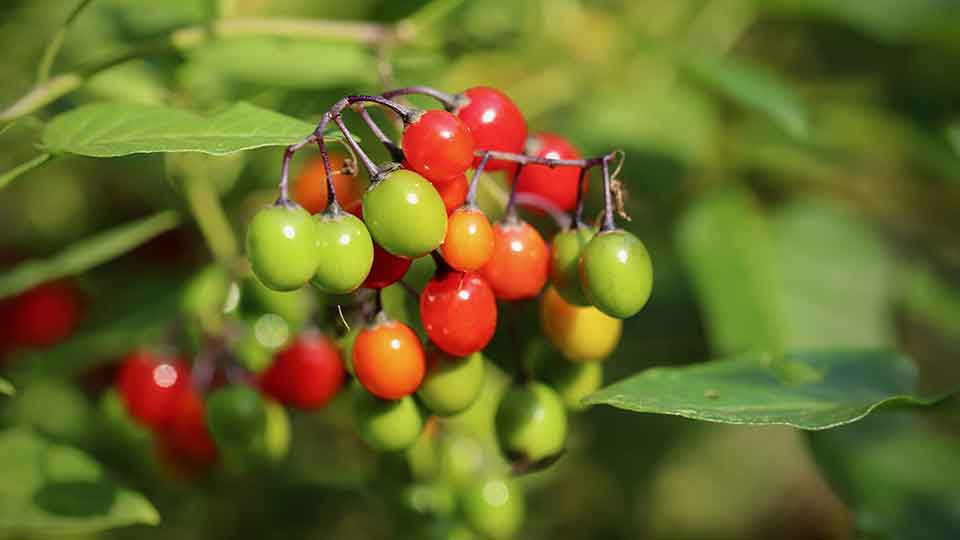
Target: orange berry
<point x="469" y="241"/>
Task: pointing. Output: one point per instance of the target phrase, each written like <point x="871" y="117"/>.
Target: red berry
<point x="454" y="192"/>
<point x="44" y="315"/>
<point x="520" y="263"/>
<point x="185" y="439"/>
<point x="307" y="374"/>
<point x="438" y="146"/>
<point x="387" y="268"/>
<point x="459" y="312"/>
<point x="495" y="122"/>
<point x="388" y="360"/>
<point x="469" y="241"/>
<point x="150" y="384"/>
<point x="557" y="185"/>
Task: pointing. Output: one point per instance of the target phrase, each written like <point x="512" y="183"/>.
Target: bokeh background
<point x="789" y="162"/>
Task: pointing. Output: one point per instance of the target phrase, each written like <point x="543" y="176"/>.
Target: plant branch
<point x="56" y="42"/>
<point x="475" y="181"/>
<point x="450" y="102"/>
<point x="608" y="224"/>
<point x="395" y="152"/>
<point x="24" y="167"/>
<point x="205" y="206"/>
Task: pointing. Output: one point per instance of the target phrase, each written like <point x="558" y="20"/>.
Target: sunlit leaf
<point x="50" y="488"/>
<point x="817" y="390"/>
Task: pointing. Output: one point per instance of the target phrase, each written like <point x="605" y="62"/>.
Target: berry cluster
<point x="422" y="204"/>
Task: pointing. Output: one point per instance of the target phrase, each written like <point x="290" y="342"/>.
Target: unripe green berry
<point x="574" y="381"/>
<point x="405" y="214"/>
<point x="451" y="384"/>
<point x="531" y="422"/>
<point x="617" y="274"/>
<point x="565" y="263"/>
<point x="387" y="426"/>
<point x="493" y="508"/>
<point x="281" y="245"/>
<point x="346" y="253"/>
<point x="237" y="418"/>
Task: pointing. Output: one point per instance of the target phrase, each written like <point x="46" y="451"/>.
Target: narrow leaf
<point x="24" y="167"/>
<point x="816" y="390"/>
<point x="87" y="253"/>
<point x="119" y="129"/>
<point x="51" y="488"/>
<point x="753" y="87"/>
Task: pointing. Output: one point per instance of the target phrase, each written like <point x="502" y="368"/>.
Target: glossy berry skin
<point x="459" y="312"/>
<point x="616" y="273"/>
<point x="469" y="241"/>
<point x="185" y="440"/>
<point x="520" y="262"/>
<point x="307" y="374"/>
<point x="387" y="426"/>
<point x="42" y="316"/>
<point x="388" y="360"/>
<point x="150" y="385"/>
<point x="438" y="145"/>
<point x="575" y="381"/>
<point x="452" y="383"/>
<point x="346" y="253"/>
<point x="454" y="192"/>
<point x="531" y="422"/>
<point x="405" y="214"/>
<point x="495" y="122"/>
<point x="565" y="253"/>
<point x="581" y="333"/>
<point x="559" y="184"/>
<point x="281" y="245"/>
<point x="493" y="508"/>
<point x="310" y="187"/>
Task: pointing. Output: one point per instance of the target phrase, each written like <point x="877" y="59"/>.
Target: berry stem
<point x="608" y="224"/>
<point x="449" y="102"/>
<point x="285" y="167"/>
<point x="475" y="181"/>
<point x="395" y="152"/>
<point x="524" y="159"/>
<point x="578" y="212"/>
<point x="510" y="215"/>
<point x="364" y="158"/>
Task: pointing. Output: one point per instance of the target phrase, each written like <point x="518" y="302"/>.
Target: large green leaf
<point x="898" y="475"/>
<point x="754" y="87"/>
<point x="86" y="253"/>
<point x="119" y="129"/>
<point x="290" y="63"/>
<point x="49" y="488"/>
<point x="803" y="390"/>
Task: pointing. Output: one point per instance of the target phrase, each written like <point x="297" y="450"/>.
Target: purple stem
<point x="608" y="224"/>
<point x="449" y="102"/>
<point x="475" y="181"/>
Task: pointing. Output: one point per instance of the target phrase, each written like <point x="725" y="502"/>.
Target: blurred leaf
<point x="816" y="390"/>
<point x="50" y="488"/>
<point x="119" y="129"/>
<point x="953" y="133"/>
<point x="87" y="253"/>
<point x="53" y="407"/>
<point x="288" y="63"/>
<point x="754" y="87"/>
<point x="728" y="250"/>
<point x="24" y="167"/>
<point x="898" y="475"/>
<point x="934" y="299"/>
<point x="6" y="388"/>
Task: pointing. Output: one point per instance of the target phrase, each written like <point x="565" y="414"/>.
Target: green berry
<point x="531" y="422"/>
<point x="276" y="436"/>
<point x="405" y="214"/>
<point x="237" y="417"/>
<point x="574" y="381"/>
<point x="451" y="384"/>
<point x="617" y="273"/>
<point x="281" y="245"/>
<point x="565" y="268"/>
<point x="387" y="426"/>
<point x="493" y="508"/>
<point x="294" y="307"/>
<point x="346" y="253"/>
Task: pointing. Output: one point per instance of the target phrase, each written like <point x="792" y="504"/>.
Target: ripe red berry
<point x="495" y="122"/>
<point x="459" y="312"/>
<point x="559" y="184"/>
<point x="388" y="360"/>
<point x="150" y="384"/>
<point x="438" y="146"/>
<point x="185" y="439"/>
<point x="520" y="262"/>
<point x="469" y="241"/>
<point x="43" y="316"/>
<point x="307" y="374"/>
<point x="310" y="187"/>
<point x="454" y="193"/>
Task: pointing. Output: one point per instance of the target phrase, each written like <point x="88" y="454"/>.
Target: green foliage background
<point x="793" y="166"/>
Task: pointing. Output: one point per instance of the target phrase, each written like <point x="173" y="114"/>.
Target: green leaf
<point x="953" y="133"/>
<point x="86" y="253"/>
<point x="815" y="390"/>
<point x="6" y="388"/>
<point x="288" y="63"/>
<point x="119" y="129"/>
<point x="897" y="475"/>
<point x="727" y="247"/>
<point x="50" y="488"/>
<point x="753" y="87"/>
